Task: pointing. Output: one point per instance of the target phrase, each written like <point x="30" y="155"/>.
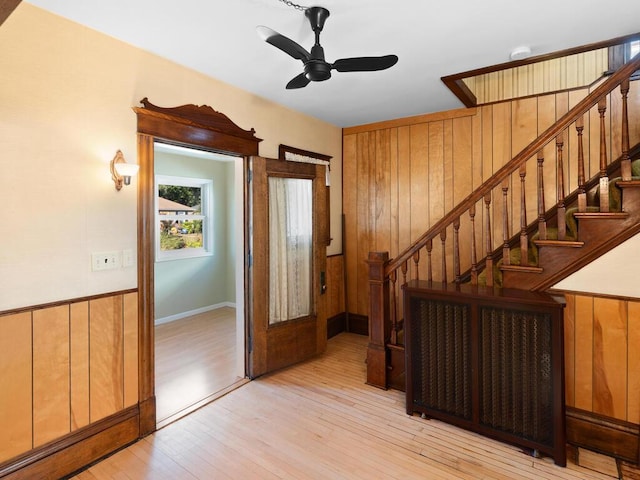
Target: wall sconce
<point x="121" y="171"/>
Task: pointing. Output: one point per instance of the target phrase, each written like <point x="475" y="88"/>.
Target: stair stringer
<point x="600" y="234"/>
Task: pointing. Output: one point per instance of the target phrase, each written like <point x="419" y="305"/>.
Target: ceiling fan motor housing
<point x="317" y="70"/>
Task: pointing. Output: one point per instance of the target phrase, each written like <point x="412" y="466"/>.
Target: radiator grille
<point x="442" y="359"/>
<point x="515" y="373"/>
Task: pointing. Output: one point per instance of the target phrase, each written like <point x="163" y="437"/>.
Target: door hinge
<point x="249" y="176"/>
<point x="249" y="260"/>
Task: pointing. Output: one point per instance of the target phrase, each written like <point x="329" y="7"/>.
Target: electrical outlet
<point x="105" y="261"/>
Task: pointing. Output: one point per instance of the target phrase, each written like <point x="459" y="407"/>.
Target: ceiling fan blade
<point x="364" y="64"/>
<point x="298" y="82"/>
<point x="283" y="43"/>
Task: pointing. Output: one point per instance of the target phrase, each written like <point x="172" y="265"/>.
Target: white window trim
<point x="206" y="200"/>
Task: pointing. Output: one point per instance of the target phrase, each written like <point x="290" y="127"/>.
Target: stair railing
<point x="385" y="311"/>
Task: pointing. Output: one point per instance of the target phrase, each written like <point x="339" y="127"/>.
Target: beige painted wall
<point x="66" y="94"/>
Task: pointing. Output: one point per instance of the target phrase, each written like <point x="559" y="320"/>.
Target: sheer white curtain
<point x="290" y="248"/>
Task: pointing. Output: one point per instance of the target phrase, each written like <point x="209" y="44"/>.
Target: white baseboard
<point x="178" y="316"/>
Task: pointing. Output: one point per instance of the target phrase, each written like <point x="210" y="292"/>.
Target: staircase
<point x="599" y="214"/>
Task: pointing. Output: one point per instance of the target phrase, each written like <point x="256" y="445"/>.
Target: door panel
<point x="280" y="339"/>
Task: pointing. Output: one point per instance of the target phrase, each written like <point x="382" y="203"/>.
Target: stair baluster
<point x="542" y="220"/>
<point x="524" y="236"/>
<point x="474" y="258"/>
<point x="562" y="209"/>
<point x="582" y="193"/>
<point x="392" y="309"/>
<point x="456" y="250"/>
<point x="489" y="244"/>
<point x="429" y="269"/>
<point x="506" y="248"/>
<point x="443" y="242"/>
<point x="416" y="261"/>
<point x="604" y="178"/>
<point x="625" y="163"/>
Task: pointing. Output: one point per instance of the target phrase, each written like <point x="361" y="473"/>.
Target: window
<point x="184" y="208"/>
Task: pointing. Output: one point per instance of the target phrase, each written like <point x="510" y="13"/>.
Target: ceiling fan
<point x="316" y="69"/>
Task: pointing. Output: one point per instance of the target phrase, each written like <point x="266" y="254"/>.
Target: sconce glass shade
<point x="121" y="171"/>
<point x="126" y="170"/>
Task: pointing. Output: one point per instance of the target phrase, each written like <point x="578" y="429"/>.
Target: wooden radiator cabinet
<point x="488" y="360"/>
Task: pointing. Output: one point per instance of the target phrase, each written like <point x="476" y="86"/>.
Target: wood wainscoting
<point x="602" y="374"/>
<point x="68" y="384"/>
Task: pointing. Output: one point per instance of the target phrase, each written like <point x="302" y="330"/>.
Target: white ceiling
<point x="432" y="39"/>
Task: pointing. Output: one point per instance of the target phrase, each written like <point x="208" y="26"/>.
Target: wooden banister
<point x="385" y="326"/>
<point x="530" y="150"/>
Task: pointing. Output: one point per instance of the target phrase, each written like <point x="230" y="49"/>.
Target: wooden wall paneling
<point x="51" y="374"/>
<point x="15" y="385"/>
<point x="437" y="191"/>
<point x="525" y="130"/>
<point x="130" y="320"/>
<point x="584" y="352"/>
<point x="570" y="349"/>
<point x="633" y="362"/>
<point x="477" y="167"/>
<point x="573" y="78"/>
<point x="610" y="357"/>
<point x="575" y="97"/>
<point x="546" y="117"/>
<point x="538" y="78"/>
<point x="106" y="356"/>
<point x="404" y="187"/>
<point x="393" y="212"/>
<point x="487" y="171"/>
<point x="546" y="75"/>
<point x="508" y="90"/>
<point x="614" y="124"/>
<point x="562" y="107"/>
<point x="492" y="84"/>
<point x="382" y="184"/>
<point x="404" y="196"/>
<point x="502" y="141"/>
<point x="79" y="352"/>
<point x="475" y="145"/>
<point x="448" y="186"/>
<point x="634" y="113"/>
<point x="363" y="219"/>
<point x="419" y="188"/>
<point x="393" y="192"/>
<point x="349" y="209"/>
<point x="335" y="285"/>
<point x="522" y="84"/>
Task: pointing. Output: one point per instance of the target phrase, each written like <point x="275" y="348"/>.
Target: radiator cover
<point x="489" y="360"/>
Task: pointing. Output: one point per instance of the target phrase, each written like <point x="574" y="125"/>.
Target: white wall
<point x="615" y="273"/>
<point x="66" y="98"/>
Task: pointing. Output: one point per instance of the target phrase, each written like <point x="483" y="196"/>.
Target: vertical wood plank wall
<point x="602" y="365"/>
<point x="570" y="72"/>
<point x="335" y="285"/>
<point x="401" y="176"/>
<point x="63" y="367"/>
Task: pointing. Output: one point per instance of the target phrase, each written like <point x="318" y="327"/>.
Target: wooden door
<point x="281" y="335"/>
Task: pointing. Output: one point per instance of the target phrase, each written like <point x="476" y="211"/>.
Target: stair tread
<point x="628" y="183"/>
<point x="559" y="243"/>
<point x="521" y="268"/>
<point x="601" y="215"/>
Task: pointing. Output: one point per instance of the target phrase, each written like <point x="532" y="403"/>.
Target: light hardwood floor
<point x="318" y="420"/>
<point x="195" y="361"/>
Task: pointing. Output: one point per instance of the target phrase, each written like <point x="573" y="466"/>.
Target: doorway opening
<point x="198" y="278"/>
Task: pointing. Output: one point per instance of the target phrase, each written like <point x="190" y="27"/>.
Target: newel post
<point x="379" y="324"/>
